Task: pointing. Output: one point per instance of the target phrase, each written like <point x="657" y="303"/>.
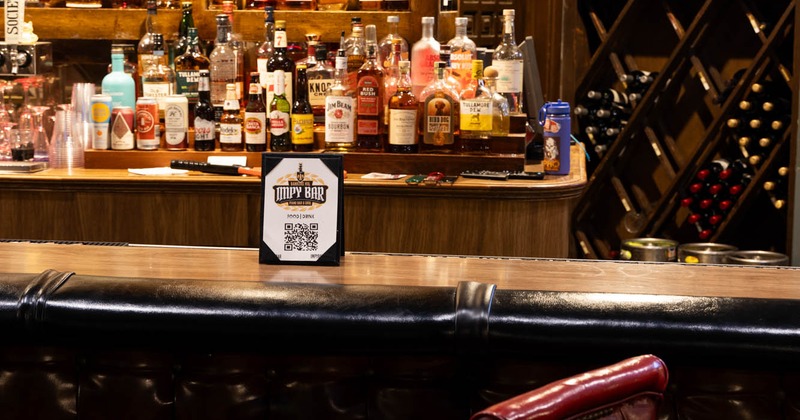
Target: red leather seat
<point x="631" y="389"/>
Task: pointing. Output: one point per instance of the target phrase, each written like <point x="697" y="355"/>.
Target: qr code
<point x="300" y="236"/>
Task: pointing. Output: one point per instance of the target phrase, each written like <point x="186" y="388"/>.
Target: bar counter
<point x="471" y="217"/>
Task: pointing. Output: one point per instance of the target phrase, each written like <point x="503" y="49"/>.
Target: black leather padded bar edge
<point x="362" y="319"/>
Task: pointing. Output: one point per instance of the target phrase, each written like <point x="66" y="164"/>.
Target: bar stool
<point x="631" y="389"/>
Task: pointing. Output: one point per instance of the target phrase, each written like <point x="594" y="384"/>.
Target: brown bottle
<point x="255" y="118"/>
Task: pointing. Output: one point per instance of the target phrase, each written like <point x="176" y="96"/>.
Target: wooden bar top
<point x="241" y="264"/>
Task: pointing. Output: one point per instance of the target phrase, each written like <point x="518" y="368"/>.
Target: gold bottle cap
<point x="783" y="171"/>
<point x="744" y="141"/>
<point x="764" y="142"/>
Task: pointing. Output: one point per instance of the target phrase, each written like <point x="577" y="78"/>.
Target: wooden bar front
<point x="471" y="217"/>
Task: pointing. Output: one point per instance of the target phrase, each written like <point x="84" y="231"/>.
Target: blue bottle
<point x="118" y="84"/>
<point x="554" y="117"/>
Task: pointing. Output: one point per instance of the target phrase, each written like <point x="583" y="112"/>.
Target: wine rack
<point x="711" y="62"/>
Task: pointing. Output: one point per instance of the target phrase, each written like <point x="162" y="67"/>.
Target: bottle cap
<point x="428" y="19"/>
<point x="355" y="19"/>
<point x="393" y="19"/>
<point x="280" y="24"/>
<point x="461" y="21"/>
<point x="508" y="12"/>
<point x="301" y="66"/>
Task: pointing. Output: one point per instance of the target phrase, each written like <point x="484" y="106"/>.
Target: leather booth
<point x="89" y="347"/>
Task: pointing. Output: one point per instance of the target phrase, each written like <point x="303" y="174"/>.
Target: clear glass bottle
<point x="236" y="42"/>
<point x="187" y="70"/>
<point x="392" y="75"/>
<point x="255" y="117"/>
<point x="440" y="115"/>
<point x="267" y="48"/>
<point x="476" y="114"/>
<point x="230" y="122"/>
<point x="424" y="53"/>
<point x="340" y="133"/>
<point x="444" y="56"/>
<point x="507" y="59"/>
<point x="280" y="139"/>
<point x="118" y="83"/>
<point x="144" y="49"/>
<point x="356" y="48"/>
<point x="302" y="115"/>
<point x="204" y="124"/>
<point x="225" y="65"/>
<point x="501" y="110"/>
<point x="158" y="81"/>
<point x="386" y="48"/>
<point x="462" y="51"/>
<point x="280" y="61"/>
<point x="403" y="115"/>
<point x="370" y="126"/>
<point x="320" y="79"/>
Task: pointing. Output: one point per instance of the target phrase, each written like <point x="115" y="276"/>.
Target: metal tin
<point x="148" y="131"/>
<point x="176" y="122"/>
<point x="101" y="116"/>
<point x="757" y="258"/>
<point x="122" y="127"/>
<point x="704" y="253"/>
<point x="649" y="249"/>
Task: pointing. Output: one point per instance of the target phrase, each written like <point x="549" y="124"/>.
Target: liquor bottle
<point x="440" y="115"/>
<point x="225" y="65"/>
<point x="403" y="115"/>
<point x="507" y="59"/>
<point x="280" y="61"/>
<point x="448" y="5"/>
<point x="356" y="50"/>
<point x="266" y="49"/>
<point x="183" y="40"/>
<point x="340" y="109"/>
<point x="230" y="122"/>
<point x="462" y="51"/>
<point x="158" y="81"/>
<point x="320" y="78"/>
<point x="476" y="115"/>
<point x="370" y="125"/>
<point x="477" y="86"/>
<point x="118" y="84"/>
<point x="297" y="5"/>
<point x="255" y="117"/>
<point x="392" y="76"/>
<point x="395" y="4"/>
<point x="444" y="56"/>
<point x="386" y="48"/>
<point x="424" y="53"/>
<point x="236" y="42"/>
<point x="279" y="117"/>
<point x="260" y="5"/>
<point x="204" y="125"/>
<point x="501" y="110"/>
<point x="302" y="115"/>
<point x="144" y="49"/>
<point x="187" y="70"/>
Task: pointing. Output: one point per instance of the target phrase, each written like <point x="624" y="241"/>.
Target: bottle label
<point x="255" y="124"/>
<point x="317" y="89"/>
<point x="278" y="122"/>
<point x="476" y="115"/>
<point x="509" y="79"/>
<point x="230" y="133"/>
<point x="156" y="90"/>
<point x="461" y="67"/>
<point x="270" y="88"/>
<point x="439" y="119"/>
<point x="302" y="128"/>
<point x="369" y="91"/>
<point x="280" y="39"/>
<point x="203" y="129"/>
<point x="188" y="82"/>
<point x="402" y="126"/>
<point x="422" y="73"/>
<point x="339" y="119"/>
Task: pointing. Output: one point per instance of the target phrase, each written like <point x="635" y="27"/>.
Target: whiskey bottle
<point x="340" y="109"/>
<point x="302" y="115"/>
<point x="462" y="51"/>
<point x="370" y="127"/>
<point x="280" y="61"/>
<point x="237" y="44"/>
<point x="424" y="53"/>
<point x="183" y="41"/>
<point x="266" y="49"/>
<point x="187" y="69"/>
<point x="230" y="122"/>
<point x="144" y="49"/>
<point x="279" y="116"/>
<point x="158" y="81"/>
<point x="501" y="110"/>
<point x="320" y="79"/>
<point x="507" y="59"/>
<point x="403" y="114"/>
<point x="356" y="50"/>
<point x="386" y="48"/>
<point x="440" y="115"/>
<point x="255" y="117"/>
<point x="225" y="65"/>
<point x="476" y="114"/>
<point x="204" y="125"/>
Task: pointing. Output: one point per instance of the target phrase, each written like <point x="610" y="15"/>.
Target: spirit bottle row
<point x="759" y="122"/>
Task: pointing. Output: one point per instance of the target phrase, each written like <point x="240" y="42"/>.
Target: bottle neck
<point x="204" y="87"/>
<point x="427" y="30"/>
<point x="461" y="31"/>
<point x="117" y="61"/>
<point x="311" y="58"/>
<point x="269" y="31"/>
<point x="255" y="90"/>
<point x="301" y="93"/>
<point x="394" y="28"/>
<point x="341" y="68"/>
<point x="404" y="81"/>
<point x="508" y="30"/>
<point x="223" y="31"/>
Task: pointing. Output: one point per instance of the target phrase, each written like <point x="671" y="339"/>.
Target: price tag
<point x="302" y="221"/>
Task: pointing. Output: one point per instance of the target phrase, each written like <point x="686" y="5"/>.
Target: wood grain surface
<point x="206" y="264"/>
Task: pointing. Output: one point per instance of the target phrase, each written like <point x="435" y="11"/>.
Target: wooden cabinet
<point x="707" y="56"/>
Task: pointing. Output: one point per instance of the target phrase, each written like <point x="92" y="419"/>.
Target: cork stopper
<point x="490" y="72"/>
